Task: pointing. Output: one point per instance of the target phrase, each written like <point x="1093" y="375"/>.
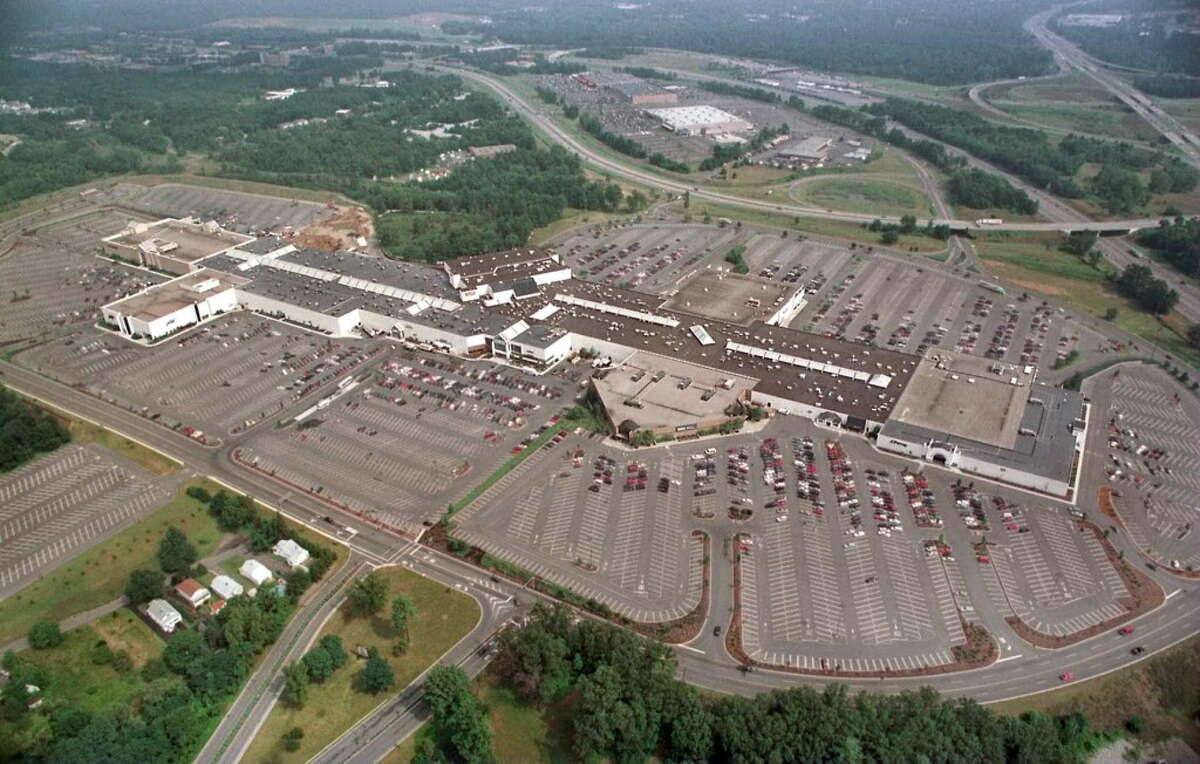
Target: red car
<point x="1066" y="677"/>
<point x="1125" y="630"/>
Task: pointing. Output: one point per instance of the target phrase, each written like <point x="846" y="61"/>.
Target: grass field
<point x="444" y="616"/>
<point x="1186" y="110"/>
<point x="1107" y="119"/>
<point x="98" y="575"/>
<point x="72" y="679"/>
<point x="1162" y="691"/>
<point x="1074" y="87"/>
<point x="1033" y="262"/>
<point x="874" y="197"/>
<point x="520" y="732"/>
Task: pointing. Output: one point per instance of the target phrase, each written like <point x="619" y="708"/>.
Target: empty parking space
<point x="1152" y="458"/>
<point x="651" y="258"/>
<point x="52" y="281"/>
<point x="59" y="504"/>
<point x="411" y="437"/>
<point x="221" y="378"/>
<point x="609" y="525"/>
<point x="235" y="211"/>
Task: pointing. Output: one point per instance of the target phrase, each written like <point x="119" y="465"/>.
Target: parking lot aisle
<point x="778" y="560"/>
<point x="527" y="510"/>
<point x="664" y="549"/>
<point x="821" y="574"/>
<point x="945" y="594"/>
<point x="626" y="537"/>
<point x="908" y="602"/>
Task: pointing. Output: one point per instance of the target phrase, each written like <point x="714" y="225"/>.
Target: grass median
<point x="506" y="468"/>
<point x="98" y="575"/>
<point x="444" y="616"/>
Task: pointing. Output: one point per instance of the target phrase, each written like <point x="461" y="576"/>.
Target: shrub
<point x="45" y="635"/>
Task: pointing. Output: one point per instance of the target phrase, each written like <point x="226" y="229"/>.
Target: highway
<point x="1070" y="54"/>
<point x="1061" y="217"/>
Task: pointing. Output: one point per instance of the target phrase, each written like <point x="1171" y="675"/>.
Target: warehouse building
<point x="815" y="148"/>
<point x="990" y="419"/>
<point x="699" y="120"/>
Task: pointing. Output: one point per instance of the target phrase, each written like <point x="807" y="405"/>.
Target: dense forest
<point x="1155" y="42"/>
<point x="616" y="696"/>
<point x="1045" y="163"/>
<point x="138" y="122"/>
<point x="1166" y="86"/>
<point x="1179" y="242"/>
<point x="25" y="431"/>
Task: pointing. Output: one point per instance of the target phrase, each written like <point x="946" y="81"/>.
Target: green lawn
<point x="1034" y="263"/>
<point x="98" y="575"/>
<point x="520" y="732"/>
<point x="1095" y="118"/>
<point x="73" y="680"/>
<point x="444" y="616"/>
<point x="873" y="197"/>
<point x="1160" y="690"/>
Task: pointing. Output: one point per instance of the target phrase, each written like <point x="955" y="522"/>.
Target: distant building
<point x="488" y="152"/>
<point x="163" y="615"/>
<point x="291" y="552"/>
<point x="699" y="120"/>
<point x="255" y="572"/>
<point x="812" y="149"/>
<point x="274" y="59"/>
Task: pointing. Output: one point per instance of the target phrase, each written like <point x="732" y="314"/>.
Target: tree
<point x="376" y="675"/>
<point x="292" y="738"/>
<point x="908" y="223"/>
<point x="403" y="610"/>
<point x="889" y="236"/>
<point x="1079" y="243"/>
<point x="457" y="715"/>
<point x="175" y="553"/>
<point x="319" y="664"/>
<point x="143" y="586"/>
<point x="1193" y="335"/>
<point x="332" y="645"/>
<point x="295" y="684"/>
<point x="368" y="595"/>
<point x="44" y="635"/>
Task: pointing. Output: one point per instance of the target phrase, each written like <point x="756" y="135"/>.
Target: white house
<point x="291" y="552"/>
<point x="161" y="612"/>
<point x="226" y="587"/>
<point x="255" y="571"/>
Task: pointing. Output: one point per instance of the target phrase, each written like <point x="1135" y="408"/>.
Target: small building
<point x="193" y="592"/>
<point x="490" y="152"/>
<point x="216" y="606"/>
<point x="255" y="572"/>
<point x="226" y="587"/>
<point x="814" y="148"/>
<point x="291" y="552"/>
<point x="163" y="615"/>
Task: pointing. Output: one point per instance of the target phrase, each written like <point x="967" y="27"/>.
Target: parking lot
<point x="1151" y="449"/>
<point x="650" y="258"/>
<point x="413" y="438"/>
<point x="903" y="305"/>
<point x="611" y="525"/>
<point x="235" y="211"/>
<point x="53" y="281"/>
<point x="55" y="506"/>
<point x="220" y="378"/>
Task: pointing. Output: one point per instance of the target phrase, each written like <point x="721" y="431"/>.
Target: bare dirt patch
<point x="339" y="232"/>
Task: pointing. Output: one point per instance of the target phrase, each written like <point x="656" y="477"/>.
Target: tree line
<point x="858" y="36"/>
<point x="26" y="431"/>
<point x="1157" y="42"/>
<point x="1178" y="240"/>
<point x="618" y="696"/>
<point x="1050" y="165"/>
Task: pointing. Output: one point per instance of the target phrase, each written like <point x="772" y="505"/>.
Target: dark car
<point x="1137" y="650"/>
<point x="716" y="631"/>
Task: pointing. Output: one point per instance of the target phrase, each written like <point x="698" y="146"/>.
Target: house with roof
<point x="163" y="615"/>
<point x="255" y="572"/>
<point x="193" y="592"/>
<point x="225" y="587"/>
<point x="291" y="552"/>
